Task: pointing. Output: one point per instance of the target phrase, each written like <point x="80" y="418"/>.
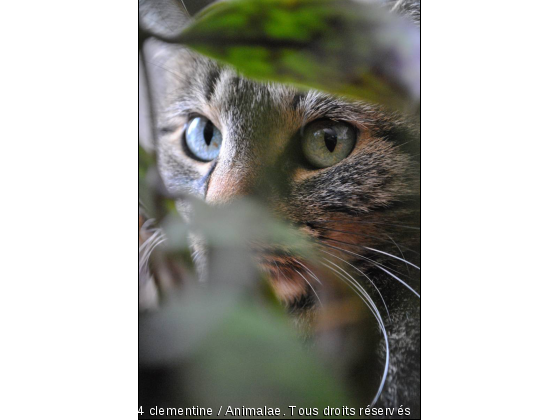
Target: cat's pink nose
<point x="226" y="184"/>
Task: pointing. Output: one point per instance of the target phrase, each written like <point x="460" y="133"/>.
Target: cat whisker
<point x="309" y="284"/>
<point x="408" y="263"/>
<point x="186" y="10"/>
<point x="375" y="250"/>
<point x="376" y="262"/>
<point x="397" y="5"/>
<point x="377" y="265"/>
<point x="158" y="65"/>
<point x="401" y="281"/>
<point x="303" y="277"/>
<point x="400" y="250"/>
<point x="363" y="274"/>
<point x="371" y="222"/>
<point x="363" y="295"/>
<point x="145" y="250"/>
<point x="311" y="273"/>
<point x="371" y="236"/>
<point x="356" y="286"/>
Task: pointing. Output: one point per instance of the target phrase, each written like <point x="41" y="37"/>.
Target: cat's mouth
<point x="291" y="278"/>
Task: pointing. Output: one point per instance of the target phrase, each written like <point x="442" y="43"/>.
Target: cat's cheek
<point x="180" y="174"/>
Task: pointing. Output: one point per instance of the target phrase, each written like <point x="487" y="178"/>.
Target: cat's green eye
<point x="202" y="139"/>
<point x="326" y="142"/>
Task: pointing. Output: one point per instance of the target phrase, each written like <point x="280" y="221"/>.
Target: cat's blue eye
<point x="327" y="142"/>
<point x="202" y="139"/>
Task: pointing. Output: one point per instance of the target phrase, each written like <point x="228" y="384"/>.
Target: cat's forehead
<point x="204" y="81"/>
<point x="198" y="84"/>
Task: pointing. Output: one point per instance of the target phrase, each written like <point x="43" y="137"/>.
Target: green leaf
<point x="347" y="47"/>
<point x="242" y="222"/>
<point x="255" y="359"/>
<point x="228" y="348"/>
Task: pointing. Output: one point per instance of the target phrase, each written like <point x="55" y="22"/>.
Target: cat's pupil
<point x="208" y="133"/>
<point x="330" y="139"/>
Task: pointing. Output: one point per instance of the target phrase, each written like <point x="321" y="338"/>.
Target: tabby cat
<point x="346" y="174"/>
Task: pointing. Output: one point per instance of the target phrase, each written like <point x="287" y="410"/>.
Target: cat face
<point x="341" y="171"/>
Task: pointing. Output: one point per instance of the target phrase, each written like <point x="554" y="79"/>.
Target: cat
<point x="346" y="174"/>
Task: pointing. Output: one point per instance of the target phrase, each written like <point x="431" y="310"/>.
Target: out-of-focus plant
<point x="347" y="47"/>
<point x="227" y="341"/>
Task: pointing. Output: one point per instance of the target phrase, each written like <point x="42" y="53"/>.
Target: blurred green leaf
<point x="225" y="348"/>
<point x="244" y="221"/>
<point x="265" y="363"/>
<point x="347" y="47"/>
